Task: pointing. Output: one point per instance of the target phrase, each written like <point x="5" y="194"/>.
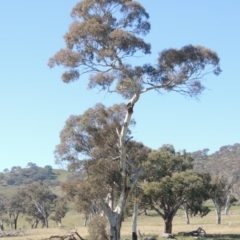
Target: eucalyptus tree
<point x="3" y="203"/>
<point x="169" y="183"/>
<point x="89" y="144"/>
<point x="14" y="207"/>
<point x="220" y="192"/>
<point x="104" y="35"/>
<point x="38" y="201"/>
<point x="59" y="210"/>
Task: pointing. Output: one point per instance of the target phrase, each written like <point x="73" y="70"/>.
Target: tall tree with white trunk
<point x="104" y="35"/>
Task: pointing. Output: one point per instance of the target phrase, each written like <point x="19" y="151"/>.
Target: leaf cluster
<point x="169" y="182"/>
<point x="105" y="33"/>
<point x="165" y="162"/>
<point x="91" y="135"/>
<point x="102" y="33"/>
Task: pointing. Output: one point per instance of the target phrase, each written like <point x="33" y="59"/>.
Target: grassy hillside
<point x="61" y="175"/>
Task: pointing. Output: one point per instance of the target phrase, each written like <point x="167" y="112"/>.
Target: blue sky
<point x="34" y="103"/>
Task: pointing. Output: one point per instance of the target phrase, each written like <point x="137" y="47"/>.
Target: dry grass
<point x="154" y="224"/>
<point x="40" y="234"/>
<point x="148" y="225"/>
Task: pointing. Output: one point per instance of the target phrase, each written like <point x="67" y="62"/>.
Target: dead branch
<point x="73" y="235"/>
<point x="200" y="232"/>
<point x="11" y="233"/>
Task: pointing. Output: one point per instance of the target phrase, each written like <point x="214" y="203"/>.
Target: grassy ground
<point x="61" y="175"/>
<point x="229" y="229"/>
<point x="148" y="225"/>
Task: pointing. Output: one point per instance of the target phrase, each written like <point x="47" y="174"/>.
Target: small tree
<point x="3" y="206"/>
<point x="103" y="35"/>
<point x="14" y="207"/>
<point x="219" y="195"/>
<point x="38" y="202"/>
<point x="170" y="183"/>
<point x="80" y="192"/>
<point x="59" y="210"/>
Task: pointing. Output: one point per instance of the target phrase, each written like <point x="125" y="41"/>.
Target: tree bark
<point x="134" y="221"/>
<point x="226" y="210"/>
<point x="227" y="205"/>
<point x="218" y="215"/>
<point x="59" y="223"/>
<point x="168" y="216"/>
<point x="10" y="220"/>
<point x="168" y="225"/>
<point x="1" y="224"/>
<point x="35" y="223"/>
<point x="115" y="216"/>
<point x="145" y="212"/>
<point x="134" y="236"/>
<point x="186" y="214"/>
<point x="46" y="221"/>
<point x="115" y="223"/>
<point x="85" y="220"/>
<point x="218" y="210"/>
<point x="15" y="221"/>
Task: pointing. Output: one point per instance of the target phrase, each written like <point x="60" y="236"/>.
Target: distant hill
<point x="18" y="177"/>
<point x="224" y="162"/>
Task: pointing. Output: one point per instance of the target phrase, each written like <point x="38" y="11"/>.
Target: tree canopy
<point x="169" y="182"/>
<point x="105" y="33"/>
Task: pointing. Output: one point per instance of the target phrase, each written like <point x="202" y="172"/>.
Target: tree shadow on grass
<point x="222" y="236"/>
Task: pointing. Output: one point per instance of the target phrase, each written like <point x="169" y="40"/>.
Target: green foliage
<point x="175" y="190"/>
<point x="165" y="162"/>
<point x="90" y="135"/>
<point x="169" y="182"/>
<point x="97" y="228"/>
<point x="219" y="191"/>
<point x="38" y="200"/>
<point x="59" y="210"/>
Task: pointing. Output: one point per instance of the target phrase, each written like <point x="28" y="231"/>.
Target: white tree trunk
<point x="85" y="218"/>
<point x="227" y="205"/>
<point x="115" y="222"/>
<point x="218" y="210"/>
<point x="134" y="220"/>
<point x="115" y="217"/>
<point x="186" y="214"/>
<point x="59" y="223"/>
<point x="10" y="221"/>
<point x="42" y="211"/>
